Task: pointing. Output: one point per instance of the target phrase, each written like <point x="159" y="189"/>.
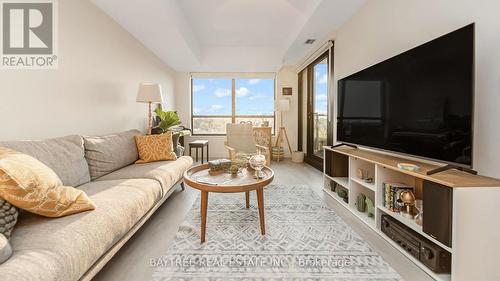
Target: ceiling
<point x="229" y="35"/>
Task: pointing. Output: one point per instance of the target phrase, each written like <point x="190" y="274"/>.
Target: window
<point x="219" y="101"/>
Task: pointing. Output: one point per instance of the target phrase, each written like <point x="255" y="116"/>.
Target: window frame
<point x="233" y="115"/>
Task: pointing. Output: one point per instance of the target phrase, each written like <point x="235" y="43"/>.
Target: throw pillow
<point x="30" y="185"/>
<point x="155" y="148"/>
<point x="8" y="218"/>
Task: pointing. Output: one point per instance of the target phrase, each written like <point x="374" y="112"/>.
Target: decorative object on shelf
<point x="342" y="193"/>
<point x="360" y="173"/>
<point x="419" y="207"/>
<point x="5" y="249"/>
<point x="283" y="105"/>
<point x="149" y="93"/>
<point x="8" y="218"/>
<point x="392" y="193"/>
<point x="364" y="175"/>
<point x="219" y="165"/>
<point x="287" y="91"/>
<point x="257" y="162"/>
<point x="360" y="203"/>
<point x="408" y="167"/>
<point x="297" y="156"/>
<point x="370" y="207"/>
<point x="333" y="186"/>
<point x="408" y="199"/>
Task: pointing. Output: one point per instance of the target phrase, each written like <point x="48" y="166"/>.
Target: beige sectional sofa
<point x="76" y="247"/>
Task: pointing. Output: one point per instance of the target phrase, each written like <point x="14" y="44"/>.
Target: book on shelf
<point x="391" y="195"/>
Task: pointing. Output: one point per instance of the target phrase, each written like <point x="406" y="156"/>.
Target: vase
<point x="257" y="162"/>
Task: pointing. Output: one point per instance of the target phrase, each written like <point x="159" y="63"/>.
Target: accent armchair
<point x="240" y="142"/>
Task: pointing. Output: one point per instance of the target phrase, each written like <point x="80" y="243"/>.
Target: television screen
<point x="419" y="102"/>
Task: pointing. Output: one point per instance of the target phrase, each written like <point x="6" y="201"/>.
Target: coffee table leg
<point x="204" y="204"/>
<point x="260" y="201"/>
<point x="247" y="198"/>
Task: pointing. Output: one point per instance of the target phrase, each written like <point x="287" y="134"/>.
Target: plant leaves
<point x="168" y="119"/>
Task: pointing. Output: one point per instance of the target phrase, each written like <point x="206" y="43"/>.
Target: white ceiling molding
<point x="228" y="35"/>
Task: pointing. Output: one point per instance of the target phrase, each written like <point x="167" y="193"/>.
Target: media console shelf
<point x="464" y="208"/>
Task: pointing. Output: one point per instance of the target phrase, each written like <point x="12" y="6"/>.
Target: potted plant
<point x="167" y="121"/>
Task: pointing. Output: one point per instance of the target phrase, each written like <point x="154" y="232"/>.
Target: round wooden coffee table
<point x="200" y="178"/>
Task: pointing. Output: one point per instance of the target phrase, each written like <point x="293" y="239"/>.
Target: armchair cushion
<point x="240" y="137"/>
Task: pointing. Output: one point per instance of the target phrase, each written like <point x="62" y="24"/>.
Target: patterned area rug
<point x="305" y="240"/>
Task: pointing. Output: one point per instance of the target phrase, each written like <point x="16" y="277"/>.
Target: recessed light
<point x="310" y="41"/>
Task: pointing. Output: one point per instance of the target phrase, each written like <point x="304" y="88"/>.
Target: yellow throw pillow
<point x="30" y="185"/>
<point x="155" y="148"/>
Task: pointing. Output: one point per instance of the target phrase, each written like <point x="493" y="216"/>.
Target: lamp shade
<point x="149" y="92"/>
<point x="282" y="105"/>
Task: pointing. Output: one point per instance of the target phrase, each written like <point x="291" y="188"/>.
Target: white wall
<point x="286" y="77"/>
<point x="94" y="89"/>
<point x="384" y="28"/>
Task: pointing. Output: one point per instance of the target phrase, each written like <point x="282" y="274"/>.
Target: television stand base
<point x="346" y="144"/>
<point x="449" y="167"/>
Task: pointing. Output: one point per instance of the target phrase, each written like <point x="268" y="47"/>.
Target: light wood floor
<point x="153" y="240"/>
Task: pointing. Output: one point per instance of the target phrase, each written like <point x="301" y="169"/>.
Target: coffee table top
<point x="200" y="178"/>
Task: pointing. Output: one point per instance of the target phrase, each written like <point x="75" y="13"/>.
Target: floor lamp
<point x="149" y="93"/>
<point x="283" y="105"/>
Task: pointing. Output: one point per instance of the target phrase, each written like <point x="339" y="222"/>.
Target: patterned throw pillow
<point x="29" y="184"/>
<point x="155" y="148"/>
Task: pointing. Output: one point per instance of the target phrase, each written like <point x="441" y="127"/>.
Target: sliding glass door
<point x="315" y="96"/>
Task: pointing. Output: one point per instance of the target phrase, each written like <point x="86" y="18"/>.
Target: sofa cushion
<point x="166" y="172"/>
<point x="65" y="248"/>
<point x="106" y="154"/>
<point x="65" y="156"/>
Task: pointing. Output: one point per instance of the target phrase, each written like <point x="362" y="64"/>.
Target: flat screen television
<point x="419" y="102"/>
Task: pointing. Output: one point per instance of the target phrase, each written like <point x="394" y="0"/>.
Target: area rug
<point x="305" y="240"/>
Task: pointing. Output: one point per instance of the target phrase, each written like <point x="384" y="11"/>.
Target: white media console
<point x="475" y="211"/>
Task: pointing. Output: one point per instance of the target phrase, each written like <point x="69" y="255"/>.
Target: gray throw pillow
<point x="5" y="249"/>
<point x="8" y="218"/>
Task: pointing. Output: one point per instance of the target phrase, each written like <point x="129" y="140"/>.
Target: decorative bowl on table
<point x="257" y="162"/>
